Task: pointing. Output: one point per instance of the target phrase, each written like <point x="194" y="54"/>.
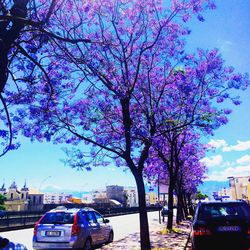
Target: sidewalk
<point x="159" y="237"/>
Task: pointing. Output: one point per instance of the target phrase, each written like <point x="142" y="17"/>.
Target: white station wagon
<point x="72" y="229"/>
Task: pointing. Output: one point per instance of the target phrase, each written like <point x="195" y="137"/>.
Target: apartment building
<point x="240" y="187"/>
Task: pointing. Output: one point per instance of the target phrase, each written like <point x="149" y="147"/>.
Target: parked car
<point x="221" y="225"/>
<point x="72" y="229"/>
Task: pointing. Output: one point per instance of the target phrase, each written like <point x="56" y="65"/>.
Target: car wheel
<point x="88" y="245"/>
<point x="111" y="237"/>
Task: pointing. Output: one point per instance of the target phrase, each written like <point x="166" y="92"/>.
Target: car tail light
<point x="36" y="225"/>
<point x="201" y="231"/>
<point x="75" y="227"/>
<point x="248" y="231"/>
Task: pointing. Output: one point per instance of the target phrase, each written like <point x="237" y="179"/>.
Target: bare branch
<point x="9" y="125"/>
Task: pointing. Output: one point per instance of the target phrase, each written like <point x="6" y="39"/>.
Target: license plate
<point x="53" y="233"/>
<point x="229" y="229"/>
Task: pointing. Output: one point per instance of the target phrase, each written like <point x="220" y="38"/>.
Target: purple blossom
<point x="219" y="99"/>
<point x="186" y="17"/>
<point x="222" y="119"/>
<point x="3" y="133"/>
<point x="200" y="18"/>
<point x="227" y="111"/>
<point x="212" y="5"/>
<point x="236" y="102"/>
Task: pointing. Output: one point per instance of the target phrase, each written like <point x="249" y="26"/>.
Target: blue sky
<point x="228" y="29"/>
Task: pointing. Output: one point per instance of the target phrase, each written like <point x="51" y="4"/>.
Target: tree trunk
<point x="8" y="35"/>
<point x="190" y="205"/>
<point x="180" y="212"/>
<point x="185" y="206"/>
<point x="144" y="228"/>
<point x="180" y="207"/>
<point x="178" y="215"/>
<point x="170" y="202"/>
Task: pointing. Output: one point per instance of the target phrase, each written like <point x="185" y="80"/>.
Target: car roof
<point x="70" y="210"/>
<point x="224" y="202"/>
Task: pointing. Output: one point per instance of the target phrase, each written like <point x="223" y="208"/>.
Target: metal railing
<point x="26" y="219"/>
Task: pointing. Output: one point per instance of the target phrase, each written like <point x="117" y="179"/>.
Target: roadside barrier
<point x="10" y="220"/>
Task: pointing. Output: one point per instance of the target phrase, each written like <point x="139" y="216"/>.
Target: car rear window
<point x="58" y="217"/>
<point x="238" y="210"/>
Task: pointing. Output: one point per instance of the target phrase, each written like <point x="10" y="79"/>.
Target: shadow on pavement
<point x="160" y="240"/>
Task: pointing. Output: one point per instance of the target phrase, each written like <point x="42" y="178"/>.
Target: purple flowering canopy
<point x="118" y="81"/>
<point x="175" y="159"/>
<point x="25" y="28"/>
<point x="189" y="151"/>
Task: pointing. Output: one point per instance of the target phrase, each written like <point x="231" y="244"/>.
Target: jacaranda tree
<point x="191" y="174"/>
<point x="199" y="85"/>
<point x="122" y="91"/>
<point x="175" y="160"/>
<point x="25" y="28"/>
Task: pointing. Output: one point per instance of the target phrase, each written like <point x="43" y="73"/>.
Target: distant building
<point x="225" y="194"/>
<point x="151" y="199"/>
<point x="100" y="196"/>
<point x="3" y="190"/>
<point x="35" y="200"/>
<point x="131" y="196"/>
<point x="56" y="198"/>
<point x="87" y="199"/>
<point x="22" y="200"/>
<point x="115" y="192"/>
<point x="114" y="195"/>
<point x="240" y="187"/>
<point x="163" y="186"/>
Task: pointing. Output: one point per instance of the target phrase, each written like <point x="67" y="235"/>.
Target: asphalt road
<point x="122" y="225"/>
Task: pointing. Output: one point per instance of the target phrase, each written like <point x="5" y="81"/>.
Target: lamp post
<point x="45" y="179"/>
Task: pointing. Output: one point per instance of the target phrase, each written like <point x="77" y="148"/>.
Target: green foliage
<point x="200" y="196"/>
<point x="2" y="199"/>
<point x="2" y="207"/>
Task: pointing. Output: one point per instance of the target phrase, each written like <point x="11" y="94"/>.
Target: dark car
<point x="72" y="229"/>
<point x="221" y="225"/>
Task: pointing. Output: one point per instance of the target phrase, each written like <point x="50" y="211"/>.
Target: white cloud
<point x="213" y="161"/>
<point x="244" y="160"/>
<point x="240" y="146"/>
<point x="112" y="169"/>
<point x="224" y="45"/>
<point x="218" y="143"/>
<point x="232" y="171"/>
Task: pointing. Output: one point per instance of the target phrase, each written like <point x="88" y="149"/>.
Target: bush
<point x="2" y="207"/>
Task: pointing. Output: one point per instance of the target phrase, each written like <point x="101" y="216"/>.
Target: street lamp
<point x="45" y="179"/>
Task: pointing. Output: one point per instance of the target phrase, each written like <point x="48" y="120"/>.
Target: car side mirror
<point x="3" y="242"/>
<point x="106" y="220"/>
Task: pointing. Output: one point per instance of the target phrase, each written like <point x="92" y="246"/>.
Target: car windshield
<point x="215" y="210"/>
<point x="58" y="217"/>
